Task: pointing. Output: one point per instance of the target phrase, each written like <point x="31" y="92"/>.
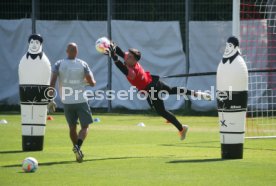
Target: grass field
<point x="118" y="152"/>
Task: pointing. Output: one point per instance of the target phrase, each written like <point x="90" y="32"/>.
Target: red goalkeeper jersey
<point x="138" y="77"/>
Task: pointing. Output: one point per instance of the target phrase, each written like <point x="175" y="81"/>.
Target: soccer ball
<point x="102" y="44"/>
<point x="29" y="164"/>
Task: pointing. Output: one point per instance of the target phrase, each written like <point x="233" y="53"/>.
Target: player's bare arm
<point x="90" y="79"/>
<point x="54" y="77"/>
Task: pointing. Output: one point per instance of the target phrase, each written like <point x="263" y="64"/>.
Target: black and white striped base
<point x="232" y="151"/>
<point x="232" y="118"/>
<point x="32" y="143"/>
<point x="33" y="116"/>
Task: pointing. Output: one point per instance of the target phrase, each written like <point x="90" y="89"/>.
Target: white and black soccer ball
<point x="102" y="44"/>
<point x="29" y="164"/>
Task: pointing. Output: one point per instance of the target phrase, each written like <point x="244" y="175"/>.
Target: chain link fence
<point x="140" y="10"/>
<point x="182" y="11"/>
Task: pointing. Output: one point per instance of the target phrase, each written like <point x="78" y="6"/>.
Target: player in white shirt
<point x="73" y="75"/>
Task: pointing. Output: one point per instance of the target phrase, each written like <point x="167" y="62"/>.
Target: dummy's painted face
<point x="35" y="46"/>
<point x="229" y="49"/>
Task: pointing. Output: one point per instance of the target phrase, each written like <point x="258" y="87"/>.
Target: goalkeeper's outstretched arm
<point x="122" y="67"/>
<point x="119" y="52"/>
<point x="113" y="54"/>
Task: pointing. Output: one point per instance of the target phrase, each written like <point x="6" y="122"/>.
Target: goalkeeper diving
<point x="143" y="80"/>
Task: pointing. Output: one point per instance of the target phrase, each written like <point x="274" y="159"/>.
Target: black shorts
<point x="80" y="111"/>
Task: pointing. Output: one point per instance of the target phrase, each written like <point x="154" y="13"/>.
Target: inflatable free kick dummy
<point x="34" y="80"/>
<point x="232" y="88"/>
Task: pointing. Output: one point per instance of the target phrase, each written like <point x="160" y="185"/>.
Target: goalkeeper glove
<point x="112" y="52"/>
<point x="107" y="51"/>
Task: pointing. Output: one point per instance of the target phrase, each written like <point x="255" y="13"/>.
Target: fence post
<point x="236" y="19"/>
<point x="187" y="52"/>
<point x="109" y="79"/>
<point x="33" y="16"/>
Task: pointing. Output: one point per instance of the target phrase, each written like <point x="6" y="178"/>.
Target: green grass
<point x="117" y="152"/>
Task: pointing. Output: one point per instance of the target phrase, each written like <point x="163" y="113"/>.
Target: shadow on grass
<point x="86" y="160"/>
<point x="198" y="160"/>
<point x="197" y="142"/>
<point x="11" y="152"/>
<point x="193" y="145"/>
<point x="73" y="161"/>
<point x="249" y="148"/>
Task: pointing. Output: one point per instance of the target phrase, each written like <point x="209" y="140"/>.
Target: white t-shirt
<point x="71" y="74"/>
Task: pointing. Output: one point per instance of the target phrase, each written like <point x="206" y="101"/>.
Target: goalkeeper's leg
<point x="183" y="91"/>
<point x="160" y="109"/>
